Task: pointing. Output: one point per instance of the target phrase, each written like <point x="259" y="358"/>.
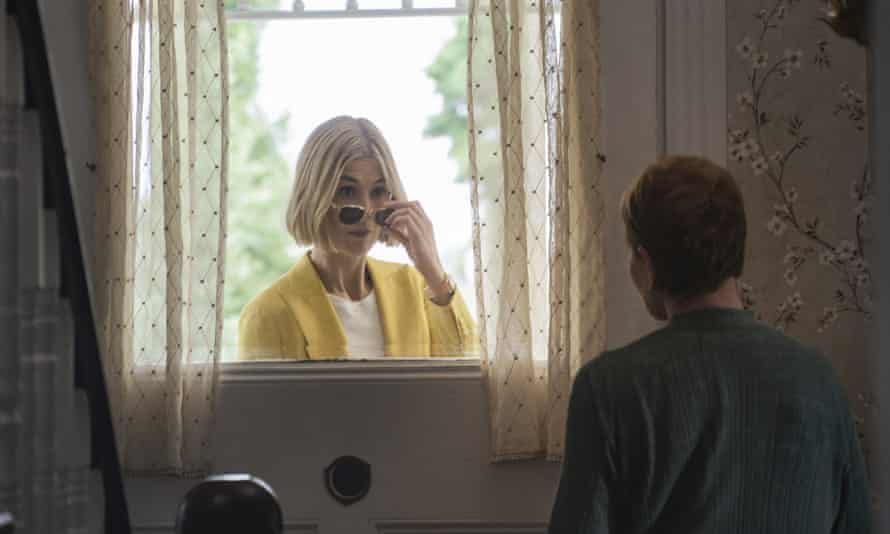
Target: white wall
<point x="664" y="87"/>
<point x="631" y="132"/>
<point x="695" y="78"/>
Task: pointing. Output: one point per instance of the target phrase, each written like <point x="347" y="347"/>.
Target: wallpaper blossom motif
<point x="798" y="144"/>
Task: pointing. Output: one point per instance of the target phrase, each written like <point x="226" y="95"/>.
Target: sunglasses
<point x="351" y="214"/>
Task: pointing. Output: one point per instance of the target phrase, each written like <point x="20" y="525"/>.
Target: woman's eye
<point x="380" y="192"/>
<point x="345" y="191"/>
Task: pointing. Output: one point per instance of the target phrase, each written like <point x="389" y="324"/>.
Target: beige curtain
<point x="159" y="73"/>
<point x="533" y="117"/>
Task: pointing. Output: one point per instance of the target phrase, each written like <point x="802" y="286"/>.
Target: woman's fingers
<point x="423" y="215"/>
<point x="403" y="222"/>
<point x="399" y="235"/>
<point x="415" y="217"/>
<point x="413" y="213"/>
<point x="411" y="206"/>
<point x="414" y="229"/>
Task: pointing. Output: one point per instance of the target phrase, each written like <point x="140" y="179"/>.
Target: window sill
<point x="364" y="371"/>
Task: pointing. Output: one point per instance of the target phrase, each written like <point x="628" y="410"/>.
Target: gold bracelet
<point x="449" y="283"/>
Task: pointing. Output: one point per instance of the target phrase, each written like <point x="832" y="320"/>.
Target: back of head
<point x="230" y="504"/>
<point x="688" y="214"/>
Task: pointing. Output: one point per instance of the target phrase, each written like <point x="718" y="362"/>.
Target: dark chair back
<point x="230" y="504"/>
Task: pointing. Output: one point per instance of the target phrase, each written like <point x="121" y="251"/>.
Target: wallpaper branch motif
<point x="798" y="137"/>
<point x="845" y="257"/>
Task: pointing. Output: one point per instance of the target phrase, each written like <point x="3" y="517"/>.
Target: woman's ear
<point x="647" y="271"/>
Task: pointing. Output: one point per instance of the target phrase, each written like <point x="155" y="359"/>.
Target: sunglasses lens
<point x="380" y="216"/>
<point x="351" y="214"/>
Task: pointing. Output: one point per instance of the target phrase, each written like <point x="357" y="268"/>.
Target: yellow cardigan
<point x="294" y="319"/>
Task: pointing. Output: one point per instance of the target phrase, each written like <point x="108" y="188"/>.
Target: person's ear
<point x="648" y="272"/>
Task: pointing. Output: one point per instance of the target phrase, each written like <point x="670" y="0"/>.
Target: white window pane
<point x="326" y="5"/>
<point x="379" y="4"/>
<point x="434" y="3"/>
<point x="258" y="4"/>
<point x="305" y="71"/>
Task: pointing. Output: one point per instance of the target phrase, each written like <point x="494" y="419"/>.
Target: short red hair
<point x="688" y="214"/>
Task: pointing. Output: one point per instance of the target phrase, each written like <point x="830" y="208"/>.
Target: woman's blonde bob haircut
<point x="328" y="150"/>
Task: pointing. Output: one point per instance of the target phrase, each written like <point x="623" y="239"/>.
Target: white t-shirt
<point x="361" y="322"/>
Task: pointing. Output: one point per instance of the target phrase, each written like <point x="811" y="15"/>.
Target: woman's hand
<point x="412" y="228"/>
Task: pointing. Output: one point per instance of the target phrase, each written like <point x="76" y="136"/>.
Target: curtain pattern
<point x="581" y="292"/>
<point x="532" y="82"/>
<point x="160" y="88"/>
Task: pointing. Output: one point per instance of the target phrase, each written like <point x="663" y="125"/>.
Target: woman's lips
<point x="360" y="233"/>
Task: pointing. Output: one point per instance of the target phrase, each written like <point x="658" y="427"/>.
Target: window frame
<point x="350" y="10"/>
<point x="346" y="370"/>
<point x="384" y="370"/>
<point x="688" y="107"/>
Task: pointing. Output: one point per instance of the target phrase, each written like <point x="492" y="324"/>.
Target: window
<point x="400" y="64"/>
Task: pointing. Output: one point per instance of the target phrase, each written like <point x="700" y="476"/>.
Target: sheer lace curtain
<point x="533" y="119"/>
<point x="159" y="74"/>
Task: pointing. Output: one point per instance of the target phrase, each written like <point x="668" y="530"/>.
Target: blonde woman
<point x="337" y="302"/>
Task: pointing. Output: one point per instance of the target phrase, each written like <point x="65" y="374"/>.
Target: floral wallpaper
<point x="798" y="144"/>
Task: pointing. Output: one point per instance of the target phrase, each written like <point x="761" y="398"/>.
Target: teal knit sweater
<point x="714" y="424"/>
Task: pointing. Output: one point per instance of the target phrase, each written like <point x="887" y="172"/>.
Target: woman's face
<point x="361" y="184"/>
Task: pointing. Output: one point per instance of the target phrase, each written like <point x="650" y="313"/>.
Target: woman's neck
<point x="342" y="275"/>
<point x="728" y="295"/>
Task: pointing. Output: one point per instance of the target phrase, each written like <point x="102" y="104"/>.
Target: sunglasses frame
<point x="379" y="214"/>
